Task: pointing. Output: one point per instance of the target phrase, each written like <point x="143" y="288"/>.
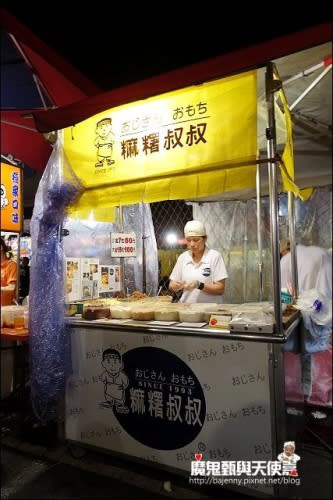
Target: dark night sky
<point x="117" y="45"/>
<point x="127" y="42"/>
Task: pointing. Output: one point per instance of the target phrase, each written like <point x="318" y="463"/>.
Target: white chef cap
<point x="194" y="228"/>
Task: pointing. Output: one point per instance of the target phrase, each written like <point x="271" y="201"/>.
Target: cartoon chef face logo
<point x="4" y="199"/>
<point x="104" y="140"/>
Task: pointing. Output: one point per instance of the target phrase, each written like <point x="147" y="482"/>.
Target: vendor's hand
<point x="177" y="286"/>
<point x="192" y="285"/>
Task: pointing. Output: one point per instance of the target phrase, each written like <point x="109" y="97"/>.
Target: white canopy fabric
<point x="307" y="83"/>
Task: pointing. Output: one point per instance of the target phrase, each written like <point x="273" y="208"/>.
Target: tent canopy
<point x="307" y="82"/>
<point x="301" y="59"/>
<point x="33" y="77"/>
<point x="217" y="67"/>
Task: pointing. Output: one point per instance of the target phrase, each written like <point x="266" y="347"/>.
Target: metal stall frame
<point x="81" y="331"/>
<point x="85" y="428"/>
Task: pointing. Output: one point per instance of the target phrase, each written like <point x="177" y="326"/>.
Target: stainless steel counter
<point x="193" y="331"/>
<point x="164" y="394"/>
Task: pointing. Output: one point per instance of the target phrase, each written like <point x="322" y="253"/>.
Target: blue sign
<point x="155" y="396"/>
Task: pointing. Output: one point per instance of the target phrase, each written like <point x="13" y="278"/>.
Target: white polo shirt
<point x="211" y="268"/>
<point x="314" y="266"/>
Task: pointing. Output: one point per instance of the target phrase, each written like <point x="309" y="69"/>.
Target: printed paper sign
<point x="123" y="245"/>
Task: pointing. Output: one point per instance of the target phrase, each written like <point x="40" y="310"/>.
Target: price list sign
<point x="123" y="245"/>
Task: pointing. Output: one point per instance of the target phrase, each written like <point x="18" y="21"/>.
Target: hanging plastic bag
<point x="315" y="305"/>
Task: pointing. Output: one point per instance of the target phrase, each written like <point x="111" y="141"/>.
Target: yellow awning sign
<point x="188" y="143"/>
<point x="287" y="165"/>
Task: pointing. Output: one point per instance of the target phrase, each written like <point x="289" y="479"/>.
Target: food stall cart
<point x="182" y="396"/>
<point x="189" y="391"/>
<point x="11" y="222"/>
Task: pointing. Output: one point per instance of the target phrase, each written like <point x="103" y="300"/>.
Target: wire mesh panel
<point x="313" y="218"/>
<point x="232" y="230"/>
<point x="169" y="219"/>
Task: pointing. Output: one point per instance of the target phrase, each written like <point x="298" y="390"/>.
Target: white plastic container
<point x="13" y="316"/>
<point x="26" y="318"/>
<point x="143" y="314"/>
<point x="166" y="314"/>
<point x="190" y="316"/>
<point x="121" y="312"/>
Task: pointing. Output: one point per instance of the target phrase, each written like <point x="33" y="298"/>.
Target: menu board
<point x="87" y="279"/>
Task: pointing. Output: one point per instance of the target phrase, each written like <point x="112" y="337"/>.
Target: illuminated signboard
<point x="11" y="198"/>
<point x="181" y="144"/>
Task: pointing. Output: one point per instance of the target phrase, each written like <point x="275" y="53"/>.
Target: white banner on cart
<point x="167" y="398"/>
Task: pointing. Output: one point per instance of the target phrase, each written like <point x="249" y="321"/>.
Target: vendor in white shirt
<point x="200" y="272"/>
<point x="314" y="268"/>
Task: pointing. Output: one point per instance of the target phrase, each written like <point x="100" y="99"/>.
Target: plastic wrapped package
<point x="11" y="316"/>
<point x="49" y="336"/>
<point x="58" y="191"/>
<point x="316" y="306"/>
<point x="256" y="321"/>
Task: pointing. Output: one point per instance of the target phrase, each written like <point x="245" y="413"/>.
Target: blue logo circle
<point x="165" y="401"/>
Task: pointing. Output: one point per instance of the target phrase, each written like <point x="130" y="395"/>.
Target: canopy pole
<point x="245" y="252"/>
<point x="144" y="283"/>
<point x="272" y="86"/>
<point x="122" y="259"/>
<point x="310" y="87"/>
<point x="18" y="268"/>
<point x="39" y="86"/>
<point x="259" y="235"/>
<point x="292" y="239"/>
<point x="326" y="62"/>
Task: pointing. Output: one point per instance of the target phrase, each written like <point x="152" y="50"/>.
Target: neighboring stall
<point x="182" y="395"/>
<point x="11" y="223"/>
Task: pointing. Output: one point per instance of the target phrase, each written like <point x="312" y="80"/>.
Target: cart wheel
<point x="77" y="451"/>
